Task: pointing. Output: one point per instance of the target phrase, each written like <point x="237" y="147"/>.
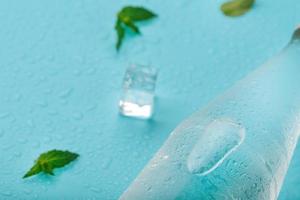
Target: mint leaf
<point x="132" y="26"/>
<point x="237" y="7"/>
<point x="136" y="13"/>
<point x="33" y="171"/>
<point x="296" y="34"/>
<point x="50" y="160"/>
<point x="127" y="17"/>
<point x="120" y="33"/>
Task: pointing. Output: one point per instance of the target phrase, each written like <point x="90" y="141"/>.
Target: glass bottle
<point x="239" y="146"/>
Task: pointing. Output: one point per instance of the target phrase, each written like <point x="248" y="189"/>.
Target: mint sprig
<point x="50" y="160"/>
<point x="236" y="8"/>
<point x="127" y="17"/>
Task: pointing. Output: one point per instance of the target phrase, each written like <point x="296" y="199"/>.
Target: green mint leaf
<point x="126" y="18"/>
<point x="136" y="13"/>
<point x="296" y="34"/>
<point x="46" y="168"/>
<point x="132" y="26"/>
<point x="33" y="171"/>
<point x="237" y="7"/>
<point x="50" y="160"/>
<point x="120" y="33"/>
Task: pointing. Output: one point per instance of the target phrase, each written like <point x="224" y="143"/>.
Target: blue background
<point x="60" y="79"/>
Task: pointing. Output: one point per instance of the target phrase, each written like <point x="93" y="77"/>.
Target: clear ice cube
<point x="138" y="91"/>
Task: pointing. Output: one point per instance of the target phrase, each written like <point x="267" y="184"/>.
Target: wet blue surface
<point x="60" y="80"/>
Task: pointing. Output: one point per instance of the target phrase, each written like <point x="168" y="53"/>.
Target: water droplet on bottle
<point x="220" y="139"/>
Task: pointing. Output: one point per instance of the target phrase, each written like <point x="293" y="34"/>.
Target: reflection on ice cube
<point x="138" y="91"/>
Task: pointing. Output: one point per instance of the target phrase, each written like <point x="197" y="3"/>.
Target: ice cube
<point x="138" y="91"/>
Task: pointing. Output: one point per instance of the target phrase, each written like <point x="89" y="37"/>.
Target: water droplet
<point x="80" y="130"/>
<point x="30" y="123"/>
<point x="47" y="139"/>
<point x="6" y="193"/>
<point x="91" y="71"/>
<point x="135" y="154"/>
<point x="66" y="93"/>
<point x="48" y="91"/>
<point x="92" y="107"/>
<point x="1" y="133"/>
<point x="42" y="103"/>
<point x="59" y="137"/>
<point x="36" y="145"/>
<point x="78" y="116"/>
<point x="53" y="112"/>
<point x="6" y="147"/>
<point x="17" y="154"/>
<point x="107" y="163"/>
<point x="27" y="191"/>
<point x="149" y="188"/>
<point x="64" y="101"/>
<point x="94" y="189"/>
<point x="77" y="72"/>
<point x="86" y="185"/>
<point x="220" y="139"/>
<point x="13" y="119"/>
<point x="17" y="97"/>
<point x="4" y="115"/>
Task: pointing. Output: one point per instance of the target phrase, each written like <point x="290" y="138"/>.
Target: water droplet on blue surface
<point x="17" y="154"/>
<point x="106" y="163"/>
<point x="78" y="116"/>
<point x="53" y="112"/>
<point x="221" y="138"/>
<point x="7" y="147"/>
<point x="47" y="139"/>
<point x="4" y="115"/>
<point x="30" y="123"/>
<point x="48" y="91"/>
<point x="59" y="137"/>
<point x="17" y="97"/>
<point x="91" y="71"/>
<point x="1" y="133"/>
<point x="36" y="145"/>
<point x="76" y="72"/>
<point x="42" y="103"/>
<point x="27" y="191"/>
<point x="6" y="193"/>
<point x="91" y="107"/>
<point x="66" y="93"/>
<point x="94" y="189"/>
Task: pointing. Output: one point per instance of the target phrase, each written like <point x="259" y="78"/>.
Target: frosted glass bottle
<point x="238" y="147"/>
